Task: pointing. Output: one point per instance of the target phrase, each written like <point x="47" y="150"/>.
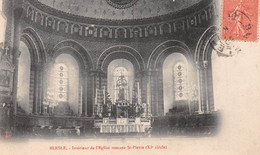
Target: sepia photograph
<point x="129" y="76"/>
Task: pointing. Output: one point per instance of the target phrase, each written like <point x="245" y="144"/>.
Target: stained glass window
<point x="121" y="84"/>
<point x="61" y="82"/>
<point x="180" y="81"/>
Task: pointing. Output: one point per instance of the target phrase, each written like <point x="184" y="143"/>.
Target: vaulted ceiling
<point x="119" y="9"/>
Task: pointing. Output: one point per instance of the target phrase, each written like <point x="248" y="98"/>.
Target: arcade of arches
<point x="70" y="65"/>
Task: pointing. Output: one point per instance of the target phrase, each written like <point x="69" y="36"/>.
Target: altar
<point x="123" y="125"/>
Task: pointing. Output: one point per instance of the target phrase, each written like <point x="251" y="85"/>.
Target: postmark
<point x="239" y="20"/>
<point x="225" y="48"/>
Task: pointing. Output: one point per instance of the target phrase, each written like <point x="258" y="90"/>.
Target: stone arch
<point x="137" y="32"/>
<point x="38" y="18"/>
<point x="165" y="28"/>
<point x="105" y="32"/>
<point x="38" y="58"/>
<point x="155" y="66"/>
<point x="85" y="64"/>
<point x="49" y="22"/>
<point x="78" y="51"/>
<point x="166" y="48"/>
<point x="151" y="30"/>
<point x="73" y="26"/>
<point x="204" y="49"/>
<point x="117" y="52"/>
<point x="35" y="45"/>
<point x="121" y="32"/>
<point x="60" y="28"/>
<point x="203" y="61"/>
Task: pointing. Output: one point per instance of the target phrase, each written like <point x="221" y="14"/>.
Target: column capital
<point x="142" y="73"/>
<point x="97" y="73"/>
<point x="18" y="54"/>
<point x="200" y="65"/>
<point x="205" y="64"/>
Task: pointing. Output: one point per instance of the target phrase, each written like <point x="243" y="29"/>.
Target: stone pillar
<point x="45" y="72"/>
<point x="160" y="99"/>
<point x="84" y="83"/>
<point x="39" y="85"/>
<point x="210" y="92"/>
<point x="16" y="53"/>
<point x="91" y="87"/>
<point x="154" y="92"/>
<point x="199" y="81"/>
<point x="99" y="83"/>
<point x="205" y="65"/>
<point x="202" y="86"/>
<point x="33" y="95"/>
<point x="149" y="92"/>
<point x="205" y="87"/>
<point x="141" y="77"/>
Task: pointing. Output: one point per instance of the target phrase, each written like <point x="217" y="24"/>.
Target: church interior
<point x="108" y="67"/>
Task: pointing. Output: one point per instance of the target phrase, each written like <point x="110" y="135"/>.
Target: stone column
<point x="142" y="79"/>
<point x="205" y="65"/>
<point x="16" y="53"/>
<point x="149" y="92"/>
<point x="210" y="94"/>
<point x="202" y="68"/>
<point x="33" y="97"/>
<point x="39" y="85"/>
<point x="154" y="92"/>
<point x="84" y="82"/>
<point x="45" y="75"/>
<point x="199" y="82"/>
<point x="99" y="82"/>
<point x="202" y="79"/>
<point x="91" y="87"/>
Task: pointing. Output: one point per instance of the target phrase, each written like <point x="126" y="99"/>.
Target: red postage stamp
<point x="239" y="21"/>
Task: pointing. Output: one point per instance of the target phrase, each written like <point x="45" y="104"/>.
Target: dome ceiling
<point x="119" y="9"/>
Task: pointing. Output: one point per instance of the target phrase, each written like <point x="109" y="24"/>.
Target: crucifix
<point x="6" y="50"/>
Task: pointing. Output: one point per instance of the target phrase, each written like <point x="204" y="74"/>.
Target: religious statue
<point x="121" y="94"/>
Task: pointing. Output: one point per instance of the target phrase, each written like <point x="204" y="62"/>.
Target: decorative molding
<point x="58" y="22"/>
<point x="121" y="4"/>
<point x="79" y="53"/>
<point x="120" y="51"/>
<point x="77" y="18"/>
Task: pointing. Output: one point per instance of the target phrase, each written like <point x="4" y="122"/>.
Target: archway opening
<point x="120" y="77"/>
<point x="63" y="95"/>
<point x="179" y="85"/>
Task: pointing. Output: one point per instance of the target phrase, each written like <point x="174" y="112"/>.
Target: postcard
<point x="129" y="76"/>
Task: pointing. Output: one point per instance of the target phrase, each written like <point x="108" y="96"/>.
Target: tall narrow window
<point x="64" y="90"/>
<point x="61" y="82"/>
<point x="180" y="84"/>
<point x="121" y="87"/>
<point x="175" y="83"/>
<point x="120" y="77"/>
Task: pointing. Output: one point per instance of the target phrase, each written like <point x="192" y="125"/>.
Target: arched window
<point x="64" y="90"/>
<point x="121" y="87"/>
<point x="120" y="77"/>
<point x="178" y="78"/>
